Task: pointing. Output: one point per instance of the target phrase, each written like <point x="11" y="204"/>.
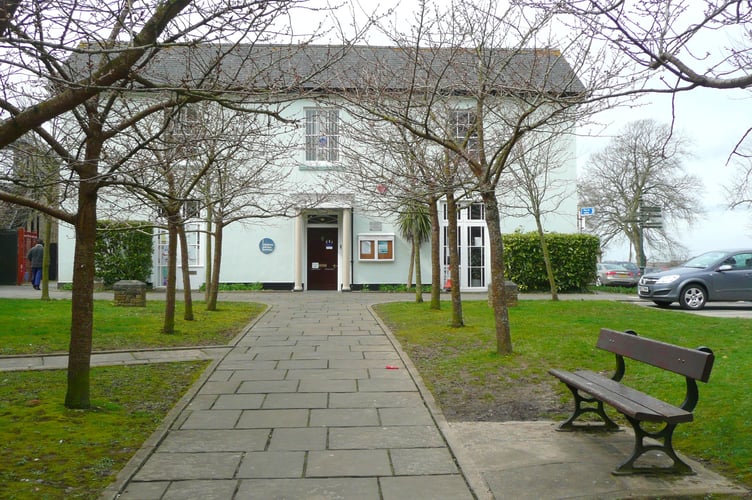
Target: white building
<point x="346" y="241"/>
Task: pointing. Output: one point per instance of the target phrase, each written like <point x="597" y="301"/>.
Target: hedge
<point x="573" y="258"/>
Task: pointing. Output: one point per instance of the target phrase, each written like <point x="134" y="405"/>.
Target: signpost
<point x="649" y="217"/>
<point x="584" y="212"/>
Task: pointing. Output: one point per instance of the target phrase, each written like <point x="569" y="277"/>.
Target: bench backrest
<point x="692" y="363"/>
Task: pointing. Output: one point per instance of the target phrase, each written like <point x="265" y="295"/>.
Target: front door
<point x="322" y="258"/>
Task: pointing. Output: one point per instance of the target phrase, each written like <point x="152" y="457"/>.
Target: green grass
<point x="42" y="327"/>
<point x="562" y="334"/>
<point x="50" y="452"/>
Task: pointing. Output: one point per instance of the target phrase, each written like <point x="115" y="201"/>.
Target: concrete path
<point x="316" y="400"/>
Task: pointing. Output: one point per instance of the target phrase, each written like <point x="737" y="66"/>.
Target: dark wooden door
<point x="322" y="258"/>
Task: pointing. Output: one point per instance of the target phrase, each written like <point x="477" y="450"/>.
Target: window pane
<point x="322" y="135"/>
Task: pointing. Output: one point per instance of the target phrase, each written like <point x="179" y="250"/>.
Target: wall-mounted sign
<point x="376" y="247"/>
<point x="266" y="245"/>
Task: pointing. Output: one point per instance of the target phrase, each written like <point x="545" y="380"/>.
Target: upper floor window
<point x="464" y="131"/>
<point x="191" y="209"/>
<point x="183" y="129"/>
<point x="322" y="134"/>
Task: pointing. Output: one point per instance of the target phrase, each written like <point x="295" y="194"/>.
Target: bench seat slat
<point x="629" y="401"/>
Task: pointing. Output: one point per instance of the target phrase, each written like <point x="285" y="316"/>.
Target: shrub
<point x="123" y="251"/>
<point x="573" y="258"/>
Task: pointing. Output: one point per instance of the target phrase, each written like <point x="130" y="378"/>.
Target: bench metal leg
<point x="665" y="436"/>
<point x="581" y="407"/>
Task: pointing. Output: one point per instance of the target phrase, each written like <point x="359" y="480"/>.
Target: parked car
<point x="615" y="275"/>
<point x="650" y="270"/>
<point x="720" y="275"/>
<point x="631" y="266"/>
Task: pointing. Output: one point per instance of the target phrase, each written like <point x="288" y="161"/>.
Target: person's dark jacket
<point x="36" y="255"/>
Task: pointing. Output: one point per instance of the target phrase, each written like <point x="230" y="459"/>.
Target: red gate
<point x="26" y="240"/>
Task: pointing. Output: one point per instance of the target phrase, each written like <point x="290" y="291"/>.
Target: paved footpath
<point x="316" y="400"/>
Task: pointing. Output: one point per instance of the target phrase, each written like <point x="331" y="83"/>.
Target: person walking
<point x="36" y="256"/>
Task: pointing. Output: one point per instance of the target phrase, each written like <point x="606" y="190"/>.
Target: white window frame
<point x="322" y="141"/>
<point x="462" y="122"/>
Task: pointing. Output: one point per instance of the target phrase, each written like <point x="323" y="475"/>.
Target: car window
<point x="704" y="260"/>
<point x="741" y="261"/>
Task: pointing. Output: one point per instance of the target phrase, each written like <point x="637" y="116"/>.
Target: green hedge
<point x="573" y="258"/>
<point x="123" y="251"/>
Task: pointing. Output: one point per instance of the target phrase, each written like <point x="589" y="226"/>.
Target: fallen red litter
<point x="392" y="367"/>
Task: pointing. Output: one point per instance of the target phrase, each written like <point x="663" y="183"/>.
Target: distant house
<point x="343" y="236"/>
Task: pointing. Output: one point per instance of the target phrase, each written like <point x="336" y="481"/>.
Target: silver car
<point x="721" y="275"/>
<point x="613" y="274"/>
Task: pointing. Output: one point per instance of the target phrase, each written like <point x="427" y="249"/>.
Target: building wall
<point x="244" y="262"/>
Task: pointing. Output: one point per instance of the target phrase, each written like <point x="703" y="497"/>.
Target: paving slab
<point x="533" y="460"/>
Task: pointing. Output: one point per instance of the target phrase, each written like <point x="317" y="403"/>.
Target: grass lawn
<point x="42" y="327"/>
<point x="50" y="452"/>
<point x="461" y="368"/>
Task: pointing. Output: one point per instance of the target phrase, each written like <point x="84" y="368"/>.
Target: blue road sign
<point x="587" y="211"/>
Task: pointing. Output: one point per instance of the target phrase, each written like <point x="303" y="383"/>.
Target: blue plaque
<point x="266" y="245"/>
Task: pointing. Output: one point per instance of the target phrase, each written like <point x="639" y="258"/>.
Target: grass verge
<point x="460" y="365"/>
<point x="43" y="327"/>
<point x="51" y="452"/>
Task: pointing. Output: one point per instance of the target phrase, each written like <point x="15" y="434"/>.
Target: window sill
<point x="319" y="166"/>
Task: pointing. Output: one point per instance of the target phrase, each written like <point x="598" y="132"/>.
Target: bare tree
<point x="675" y="46"/>
<point x="392" y="169"/>
<point x="475" y="87"/>
<point x="642" y="166"/>
<point x="672" y="37"/>
<point x="246" y="181"/>
<point x="536" y="188"/>
<point x="33" y="163"/>
<point x="92" y="68"/>
<point x="165" y="174"/>
<point x="739" y="190"/>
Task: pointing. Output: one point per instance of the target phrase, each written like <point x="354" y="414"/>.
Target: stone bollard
<point x="130" y="293"/>
<point x="510" y="290"/>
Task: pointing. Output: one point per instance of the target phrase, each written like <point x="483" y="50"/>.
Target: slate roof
<point x="331" y="67"/>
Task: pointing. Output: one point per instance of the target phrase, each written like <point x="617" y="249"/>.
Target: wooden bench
<point x="591" y="390"/>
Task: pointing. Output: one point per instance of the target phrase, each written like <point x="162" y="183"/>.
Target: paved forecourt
<point x="313" y="401"/>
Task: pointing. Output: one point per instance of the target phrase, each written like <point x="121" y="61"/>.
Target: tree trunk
<point x="496" y="290"/>
<point x="46" y="258"/>
<point x="208" y="256"/>
<point x="418" y="274"/>
<point x="172" y="250"/>
<point x="409" y="282"/>
<point x="211" y="304"/>
<point x="82" y="296"/>
<point x="547" y="259"/>
<point x="185" y="268"/>
<point x="433" y="210"/>
<point x="454" y="261"/>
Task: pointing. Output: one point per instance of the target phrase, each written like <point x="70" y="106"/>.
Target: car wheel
<point x="692" y="297"/>
<point x="598" y="281"/>
<point x="662" y="303"/>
